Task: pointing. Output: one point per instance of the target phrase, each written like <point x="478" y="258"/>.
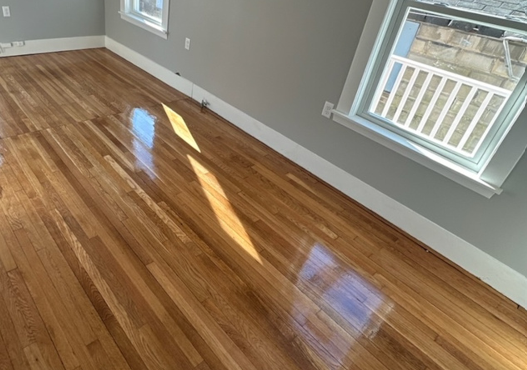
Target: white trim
<point x="128" y="14"/>
<point x="501" y="277"/>
<point x="55" y="45"/>
<point x="369" y="42"/>
<point x="164" y="74"/>
<point x="145" y="24"/>
<point x="418" y="154"/>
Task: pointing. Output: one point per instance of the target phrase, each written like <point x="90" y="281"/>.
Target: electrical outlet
<point x="4" y="46"/>
<point x="6" y="11"/>
<point x="18" y="43"/>
<point x="187" y="43"/>
<point x="328" y="108"/>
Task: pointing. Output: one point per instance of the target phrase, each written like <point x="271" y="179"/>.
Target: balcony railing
<point x="453" y="111"/>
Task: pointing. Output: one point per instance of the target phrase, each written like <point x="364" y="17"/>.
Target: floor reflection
<point x="359" y="302"/>
<point x="144" y="128"/>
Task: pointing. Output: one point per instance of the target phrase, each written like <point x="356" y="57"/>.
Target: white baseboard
<point x="164" y="74"/>
<point x="54" y="45"/>
<point x="493" y="272"/>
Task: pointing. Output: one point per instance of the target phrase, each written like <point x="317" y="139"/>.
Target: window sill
<point x="427" y="158"/>
<point x="145" y="24"/>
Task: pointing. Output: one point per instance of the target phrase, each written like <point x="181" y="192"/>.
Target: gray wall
<point x="279" y="61"/>
<point x="47" y="19"/>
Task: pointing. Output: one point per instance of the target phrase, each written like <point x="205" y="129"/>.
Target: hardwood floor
<point x="137" y="232"/>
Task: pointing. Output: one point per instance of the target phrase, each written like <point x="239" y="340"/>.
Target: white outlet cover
<point x="187" y="43"/>
<point x="328" y="108"/>
<point x="6" y="11"/>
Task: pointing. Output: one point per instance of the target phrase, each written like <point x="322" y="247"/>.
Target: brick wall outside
<point x="511" y="8"/>
<point x="476" y="56"/>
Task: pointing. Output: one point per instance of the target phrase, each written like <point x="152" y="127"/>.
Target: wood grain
<point x="138" y="232"/>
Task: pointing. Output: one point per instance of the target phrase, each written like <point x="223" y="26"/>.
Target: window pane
<point x="447" y="80"/>
<point x="512" y="9"/>
<point x="152" y="8"/>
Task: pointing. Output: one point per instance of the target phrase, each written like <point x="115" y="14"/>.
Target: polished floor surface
<point x="137" y="232"/>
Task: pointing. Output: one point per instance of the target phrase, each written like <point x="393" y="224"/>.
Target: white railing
<point x="395" y="107"/>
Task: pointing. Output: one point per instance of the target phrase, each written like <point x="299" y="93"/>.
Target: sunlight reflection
<point x="180" y="127"/>
<point x="223" y="211"/>
<point x="359" y="302"/>
<point x="144" y="128"/>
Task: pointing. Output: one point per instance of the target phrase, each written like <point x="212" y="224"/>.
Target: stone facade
<point x="476" y="56"/>
<point x="506" y="8"/>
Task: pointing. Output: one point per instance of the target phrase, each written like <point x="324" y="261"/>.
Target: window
<point x="444" y="85"/>
<point x="151" y="15"/>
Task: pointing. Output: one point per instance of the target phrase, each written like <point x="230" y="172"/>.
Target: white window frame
<point x="129" y="14"/>
<point x="487" y="180"/>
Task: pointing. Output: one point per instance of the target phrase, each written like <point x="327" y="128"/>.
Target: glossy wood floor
<point x="140" y="233"/>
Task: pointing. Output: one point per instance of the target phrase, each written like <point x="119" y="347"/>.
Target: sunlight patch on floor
<point x="180" y="127"/>
<point x="223" y="210"/>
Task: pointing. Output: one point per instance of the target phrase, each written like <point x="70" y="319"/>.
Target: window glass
<point x="151" y="15"/>
<point x="151" y="8"/>
<point x="447" y="80"/>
